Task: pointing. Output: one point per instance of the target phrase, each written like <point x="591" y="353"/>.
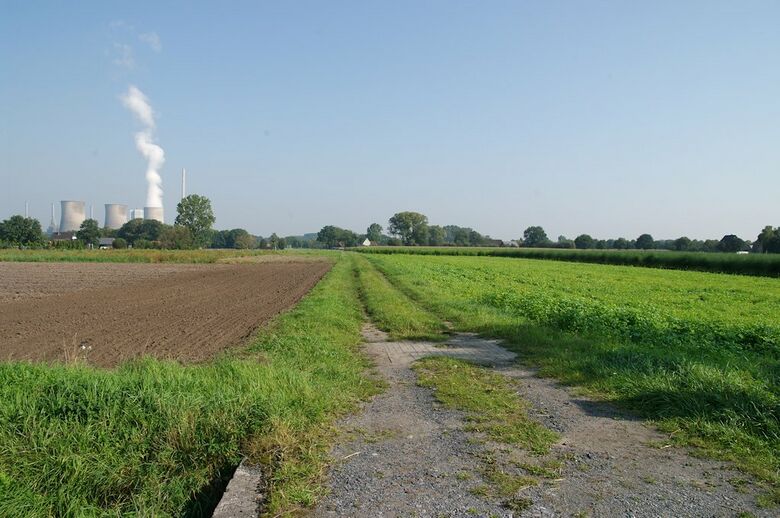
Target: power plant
<point x="73" y="215"/>
<point x="154" y="213"/>
<point x="116" y="215"/>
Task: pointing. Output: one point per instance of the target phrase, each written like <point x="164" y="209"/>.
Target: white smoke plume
<point x="135" y="101"/>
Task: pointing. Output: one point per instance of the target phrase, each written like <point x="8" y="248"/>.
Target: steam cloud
<point x="135" y="101"/>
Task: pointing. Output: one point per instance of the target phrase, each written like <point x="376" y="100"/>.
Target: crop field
<point x="697" y="353"/>
<point x="181" y="312"/>
<point x="762" y="265"/>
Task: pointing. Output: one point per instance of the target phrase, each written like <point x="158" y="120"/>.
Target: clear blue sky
<point x="611" y="118"/>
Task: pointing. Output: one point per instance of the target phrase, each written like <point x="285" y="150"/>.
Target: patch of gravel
<point x="405" y="455"/>
<point x="616" y="465"/>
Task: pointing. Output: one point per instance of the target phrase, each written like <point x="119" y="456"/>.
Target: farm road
<point x="406" y="455"/>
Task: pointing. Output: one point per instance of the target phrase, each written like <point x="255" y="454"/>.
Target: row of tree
<point x="405" y="228"/>
<point x="195" y="217"/>
<point x="537" y="238"/>
<point x="412" y="228"/>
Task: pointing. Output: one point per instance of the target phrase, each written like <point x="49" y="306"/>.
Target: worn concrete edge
<point x="243" y="493"/>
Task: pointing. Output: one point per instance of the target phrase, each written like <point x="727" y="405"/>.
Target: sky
<point x="607" y="118"/>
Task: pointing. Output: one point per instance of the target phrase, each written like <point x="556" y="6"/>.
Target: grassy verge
<point x="762" y="265"/>
<point x="150" y="438"/>
<point x="391" y="310"/>
<point x="720" y="394"/>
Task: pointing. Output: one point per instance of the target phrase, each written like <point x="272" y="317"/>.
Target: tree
<point x="374" y="232"/>
<point x="460" y="237"/>
<point x="768" y="241"/>
<point x="411" y="227"/>
<point x="535" y="236"/>
<point x="645" y="242"/>
<point x="731" y="243"/>
<point x="194" y="212"/>
<point x="273" y="241"/>
<point x="333" y="237"/>
<point x="176" y="237"/>
<point x="329" y="236"/>
<point x="710" y="245"/>
<point x="140" y="229"/>
<point x="89" y="232"/>
<point x="20" y="231"/>
<point x="564" y="242"/>
<point x="621" y="243"/>
<point x="119" y="243"/>
<point x="243" y="239"/>
<point x="583" y="241"/>
<point x="682" y="244"/>
<point x="436" y="235"/>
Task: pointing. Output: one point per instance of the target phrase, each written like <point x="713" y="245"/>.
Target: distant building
<point x="106" y="242"/>
<point x="64" y="236"/>
<point x="366" y="242"/>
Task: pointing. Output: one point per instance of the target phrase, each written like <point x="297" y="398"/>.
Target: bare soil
<point x="108" y="313"/>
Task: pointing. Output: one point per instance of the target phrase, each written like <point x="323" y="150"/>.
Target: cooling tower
<point x="137" y="214"/>
<point x="116" y="215"/>
<point x="154" y="213"/>
<point x="73" y="215"/>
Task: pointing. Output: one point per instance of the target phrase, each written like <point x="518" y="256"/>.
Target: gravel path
<point x="405" y="455"/>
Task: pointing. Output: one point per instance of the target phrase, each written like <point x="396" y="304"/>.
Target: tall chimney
<point x="183" y="183"/>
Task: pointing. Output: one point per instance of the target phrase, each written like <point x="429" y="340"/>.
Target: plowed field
<point x="107" y="313"/>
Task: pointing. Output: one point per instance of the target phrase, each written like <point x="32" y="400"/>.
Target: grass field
<point x="762" y="265"/>
<point x="697" y="353"/>
<point x="154" y="438"/>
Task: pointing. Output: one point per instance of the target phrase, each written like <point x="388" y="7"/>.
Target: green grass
<point x="762" y="265"/>
<point x="152" y="438"/>
<point x="697" y="353"/>
<point x="393" y="311"/>
<point x="490" y="401"/>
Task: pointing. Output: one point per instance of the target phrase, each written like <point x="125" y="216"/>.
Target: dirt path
<point x="405" y="455"/>
<point x="188" y="314"/>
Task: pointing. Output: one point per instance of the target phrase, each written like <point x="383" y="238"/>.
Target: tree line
<point x="195" y="217"/>
<point x="413" y="229"/>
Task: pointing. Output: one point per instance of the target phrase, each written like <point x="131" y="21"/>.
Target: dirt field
<point x="107" y="313"/>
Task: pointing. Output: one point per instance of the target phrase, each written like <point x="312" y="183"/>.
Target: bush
<point x="119" y="243"/>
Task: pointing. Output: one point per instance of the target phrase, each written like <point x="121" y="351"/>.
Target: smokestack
<point x="53" y="225"/>
<point x="116" y="215"/>
<point x="91" y="212"/>
<point x="27" y="209"/>
<point x="72" y="215"/>
<point x="183" y="183"/>
<point x="154" y="213"/>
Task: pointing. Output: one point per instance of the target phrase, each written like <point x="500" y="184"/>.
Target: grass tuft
<point x="490" y="401"/>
